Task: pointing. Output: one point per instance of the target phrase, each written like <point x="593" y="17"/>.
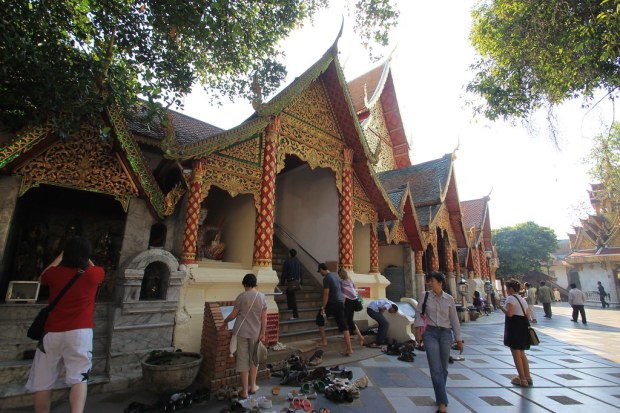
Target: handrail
<point x="280" y="292"/>
<point x="288" y="234"/>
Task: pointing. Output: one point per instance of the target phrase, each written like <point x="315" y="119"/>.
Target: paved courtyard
<point x="575" y="369"/>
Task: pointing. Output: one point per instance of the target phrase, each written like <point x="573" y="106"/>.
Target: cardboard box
<point x="23" y="292"/>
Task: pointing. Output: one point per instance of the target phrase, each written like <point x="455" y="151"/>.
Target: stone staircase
<point x="309" y="300"/>
<point x="17" y="351"/>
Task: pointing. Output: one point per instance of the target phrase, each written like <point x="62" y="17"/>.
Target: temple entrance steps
<point x="309" y="300"/>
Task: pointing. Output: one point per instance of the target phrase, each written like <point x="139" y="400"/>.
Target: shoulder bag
<point x="534" y="341"/>
<point x="232" y="346"/>
<point x="423" y="314"/>
<point x="36" y="331"/>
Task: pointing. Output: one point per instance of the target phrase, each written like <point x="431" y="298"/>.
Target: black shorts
<point x="335" y="310"/>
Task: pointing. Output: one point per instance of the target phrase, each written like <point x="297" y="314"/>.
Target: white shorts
<point x="71" y="349"/>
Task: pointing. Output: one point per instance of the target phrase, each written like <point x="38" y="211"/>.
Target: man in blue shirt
<point x="333" y="305"/>
<point x="375" y="311"/>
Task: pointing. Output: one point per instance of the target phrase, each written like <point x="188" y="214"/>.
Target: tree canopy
<point x="66" y="60"/>
<point x="537" y="53"/>
<point x="523" y="247"/>
<point x="605" y="158"/>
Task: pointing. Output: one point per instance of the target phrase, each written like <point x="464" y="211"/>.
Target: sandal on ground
<point x="373" y="345"/>
<point x="516" y="380"/>
<point x="530" y="381"/>
<point x="275" y="390"/>
<point x="361" y="382"/>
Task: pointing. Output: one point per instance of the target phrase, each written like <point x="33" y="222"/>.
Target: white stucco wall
<point x="361" y="248"/>
<point x="239" y="230"/>
<point x="590" y="274"/>
<point x="390" y="255"/>
<point x="307" y="208"/>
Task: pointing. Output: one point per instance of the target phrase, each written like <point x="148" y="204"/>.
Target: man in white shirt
<point x="577" y="300"/>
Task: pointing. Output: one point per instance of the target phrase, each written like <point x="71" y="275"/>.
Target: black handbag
<point x="359" y="305"/>
<point x="36" y="331"/>
<point x="534" y="341"/>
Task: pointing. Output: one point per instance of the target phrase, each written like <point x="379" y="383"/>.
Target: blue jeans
<point x="437" y="342"/>
<point x="384" y="325"/>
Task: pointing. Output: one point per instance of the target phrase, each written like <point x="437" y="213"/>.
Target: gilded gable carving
<point x="364" y="212"/>
<point x="310" y="145"/>
<point x="313" y="107"/>
<point x="233" y="176"/>
<point x="398" y="234"/>
<point x="379" y="142"/>
<point x="443" y="222"/>
<point x="249" y="151"/>
<point x="358" y="190"/>
<point x="83" y="162"/>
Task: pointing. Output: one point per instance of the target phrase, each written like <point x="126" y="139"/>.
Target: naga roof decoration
<point x="379" y="85"/>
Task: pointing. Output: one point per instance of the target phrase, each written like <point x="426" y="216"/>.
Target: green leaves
<point x="535" y="53"/>
<point x="65" y="61"/>
<point x="523" y="247"/>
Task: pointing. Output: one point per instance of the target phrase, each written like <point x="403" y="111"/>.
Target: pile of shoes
<point x="406" y="352"/>
<point x="177" y="401"/>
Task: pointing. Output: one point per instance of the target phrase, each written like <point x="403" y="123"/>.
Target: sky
<point x="527" y="176"/>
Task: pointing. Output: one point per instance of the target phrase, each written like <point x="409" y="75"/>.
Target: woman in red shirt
<point x="68" y="339"/>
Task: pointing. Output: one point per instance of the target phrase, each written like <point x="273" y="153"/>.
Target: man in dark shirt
<point x="333" y="305"/>
<point x="292" y="281"/>
<point x="602" y="294"/>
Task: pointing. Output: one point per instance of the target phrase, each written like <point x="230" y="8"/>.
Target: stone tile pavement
<point x="575" y="369"/>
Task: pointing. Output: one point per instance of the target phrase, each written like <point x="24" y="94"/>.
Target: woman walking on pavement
<point x="441" y="321"/>
<point x="516" y="335"/>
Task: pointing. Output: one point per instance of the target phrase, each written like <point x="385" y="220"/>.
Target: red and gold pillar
<point x="435" y="257"/>
<point x="345" y="237"/>
<point x="419" y="257"/>
<point x="263" y="235"/>
<point x="449" y="261"/>
<point x="484" y="269"/>
<point x="188" y="256"/>
<point x="475" y="262"/>
<point x="374" y="249"/>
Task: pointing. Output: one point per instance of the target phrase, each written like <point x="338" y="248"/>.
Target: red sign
<point x="272" y="328"/>
<point x="364" y="291"/>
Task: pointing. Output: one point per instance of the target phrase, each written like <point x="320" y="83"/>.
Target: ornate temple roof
<point x="377" y="87"/>
<point x="187" y="130"/>
<point x="476" y="220"/>
<point x="427" y="180"/>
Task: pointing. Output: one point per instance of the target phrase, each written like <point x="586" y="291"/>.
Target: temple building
<point x="179" y="211"/>
<point x="595" y="249"/>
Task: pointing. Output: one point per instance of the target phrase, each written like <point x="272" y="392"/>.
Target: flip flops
<point x="275" y="390"/>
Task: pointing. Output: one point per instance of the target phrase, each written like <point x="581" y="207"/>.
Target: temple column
<point x="420" y="277"/>
<point x="435" y="257"/>
<point x="190" y="236"/>
<point x="450" y="269"/>
<point x="374" y="249"/>
<point x="484" y="267"/>
<point x="476" y="262"/>
<point x="345" y="237"/>
<point x="263" y="235"/>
